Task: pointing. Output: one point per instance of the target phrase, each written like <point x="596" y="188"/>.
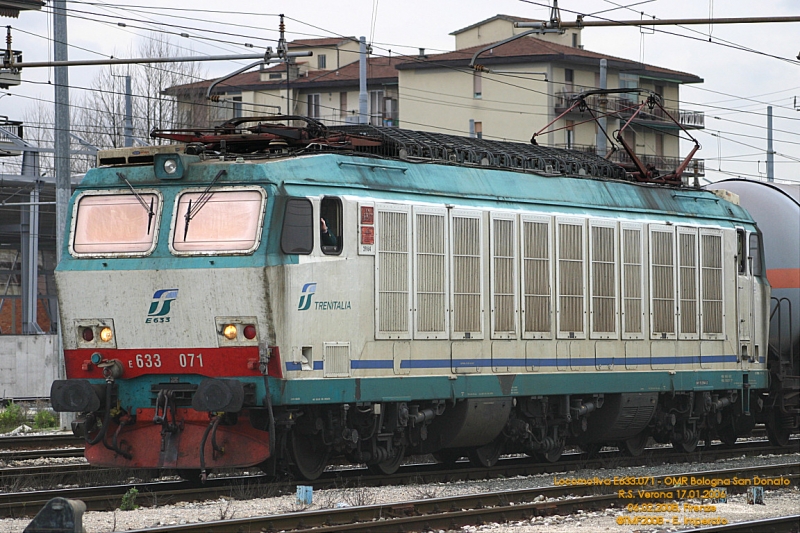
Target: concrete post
<point x="770" y="152"/>
<point x="128" y="113"/>
<point x="29" y="247"/>
<point x="602" y="149"/>
<point x="362" y="81"/>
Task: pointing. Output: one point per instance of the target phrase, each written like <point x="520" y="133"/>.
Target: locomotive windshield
<point x="115" y="224"/>
<point x="227" y="221"/>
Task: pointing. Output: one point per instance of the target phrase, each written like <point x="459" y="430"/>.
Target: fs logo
<point x="305" y="296"/>
<point x="160" y="306"/>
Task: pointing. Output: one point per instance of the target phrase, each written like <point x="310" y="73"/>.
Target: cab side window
<point x="298" y="227"/>
<point x="330" y="225"/>
<point x="741" y="252"/>
<point x="755" y="253"/>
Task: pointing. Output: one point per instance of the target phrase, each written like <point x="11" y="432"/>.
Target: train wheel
<point x="591" y="449"/>
<point x="448" y="456"/>
<point x="389" y="466"/>
<point x="634" y="447"/>
<point x="486" y="456"/>
<point x="309" y="456"/>
<point x="777" y="434"/>
<point x="727" y="434"/>
<point x="192" y="475"/>
<point x="553" y="455"/>
<point x="686" y="446"/>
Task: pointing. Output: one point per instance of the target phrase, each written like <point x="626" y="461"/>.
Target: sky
<point x="745" y="67"/>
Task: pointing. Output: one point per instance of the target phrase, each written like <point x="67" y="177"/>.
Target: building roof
<point x="509" y="18"/>
<point x="327" y="41"/>
<point x="534" y="50"/>
<point x="380" y="70"/>
<point x="11" y="8"/>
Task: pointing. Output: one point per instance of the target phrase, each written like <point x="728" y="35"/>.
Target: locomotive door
<point x="744" y="287"/>
<point x="744" y="293"/>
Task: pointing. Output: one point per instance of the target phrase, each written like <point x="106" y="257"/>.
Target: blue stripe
<point x="582" y="362"/>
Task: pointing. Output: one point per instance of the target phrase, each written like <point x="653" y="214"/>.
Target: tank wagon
<point x="467" y="298"/>
<point x="776" y="209"/>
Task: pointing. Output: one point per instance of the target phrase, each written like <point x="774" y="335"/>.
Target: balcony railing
<point x="662" y="163"/>
<point x="625" y="107"/>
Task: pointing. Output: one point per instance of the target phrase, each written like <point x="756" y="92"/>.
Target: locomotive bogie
<point x="314" y="307"/>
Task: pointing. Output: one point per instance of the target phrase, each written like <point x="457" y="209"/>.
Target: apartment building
<point x="522" y="86"/>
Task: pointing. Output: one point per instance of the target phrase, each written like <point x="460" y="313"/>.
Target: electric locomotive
<point x="265" y="294"/>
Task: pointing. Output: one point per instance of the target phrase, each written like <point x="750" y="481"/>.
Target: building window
<point x="321" y="61"/>
<point x="569" y="130"/>
<point x="574" y="40"/>
<point x="477" y="84"/>
<point x="313" y="105"/>
<point x="237" y="106"/>
<point x="629" y="81"/>
<point x="343" y="105"/>
<point x="376" y="108"/>
<point x="569" y="80"/>
<point x="479" y="130"/>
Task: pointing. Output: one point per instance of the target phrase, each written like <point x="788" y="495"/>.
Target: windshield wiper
<point x="191" y="211"/>
<point x="150" y="213"/>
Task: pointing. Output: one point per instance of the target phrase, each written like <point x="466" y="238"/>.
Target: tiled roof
<point x="531" y="49"/>
<point x="379" y="70"/>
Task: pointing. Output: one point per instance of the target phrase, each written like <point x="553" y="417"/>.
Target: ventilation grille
<point x="537" y="276"/>
<point x="604" y="293"/>
<point x="466" y="274"/>
<point x="570" y="278"/>
<point x="393" y="259"/>
<point x="632" y="280"/>
<point x="336" y="359"/>
<point x="431" y="278"/>
<point x="663" y="283"/>
<point x="711" y="273"/>
<point x="503" y="274"/>
<point x="687" y="273"/>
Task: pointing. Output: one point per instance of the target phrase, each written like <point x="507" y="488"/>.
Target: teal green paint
<point x="397" y="388"/>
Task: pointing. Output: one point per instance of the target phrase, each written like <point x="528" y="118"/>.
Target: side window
<point x="298" y="227"/>
<point x="741" y="252"/>
<point x="331" y="225"/>
<point x="755" y="253"/>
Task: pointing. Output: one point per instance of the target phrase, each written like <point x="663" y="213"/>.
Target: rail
<point x="664" y="163"/>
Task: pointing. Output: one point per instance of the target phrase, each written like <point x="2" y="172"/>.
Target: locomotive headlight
<point x="106" y="334"/>
<point x="229" y="332"/>
<point x="170" y="166"/>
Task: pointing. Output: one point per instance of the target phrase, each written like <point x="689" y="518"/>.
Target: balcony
<point x="625" y="107"/>
<point x="662" y="163"/>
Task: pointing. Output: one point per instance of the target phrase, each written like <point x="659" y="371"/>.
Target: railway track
<point x="37" y="442"/>
<point x="475" y="509"/>
<point x="101" y="498"/>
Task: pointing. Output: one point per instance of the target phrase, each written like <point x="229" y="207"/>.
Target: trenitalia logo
<point x="161" y="300"/>
<point x="305" y="296"/>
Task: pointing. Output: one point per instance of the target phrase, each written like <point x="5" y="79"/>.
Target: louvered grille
<point x="336" y="359"/>
<point x="603" y="283"/>
<point x="663" y="282"/>
<point x="537" y="276"/>
<point x="466" y="274"/>
<point x="687" y="257"/>
<point x="431" y="273"/>
<point x="632" y="279"/>
<point x="711" y="272"/>
<point x="393" y="260"/>
<point x="503" y="273"/>
<point x="570" y="278"/>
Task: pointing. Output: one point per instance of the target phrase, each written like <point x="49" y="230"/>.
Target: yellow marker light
<point x="106" y="334"/>
<point x="229" y="332"/>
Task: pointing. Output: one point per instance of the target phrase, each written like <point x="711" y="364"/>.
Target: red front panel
<point x="243" y="445"/>
<point x="213" y="362"/>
